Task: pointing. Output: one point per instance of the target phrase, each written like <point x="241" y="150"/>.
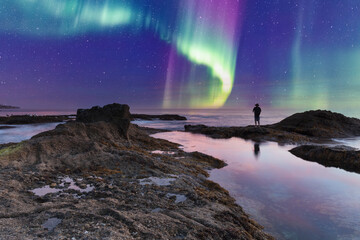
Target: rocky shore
<point x="256" y="134"/>
<point x="320" y="124"/>
<point x="32" y="119"/>
<point x="165" y="117"/>
<point x="309" y="129"/>
<point x="310" y="126"/>
<point x="105" y="178"/>
<point x="344" y="157"/>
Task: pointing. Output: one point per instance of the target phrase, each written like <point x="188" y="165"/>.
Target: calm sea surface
<point x="225" y="118"/>
<point x="292" y="198"/>
<point x="26" y="131"/>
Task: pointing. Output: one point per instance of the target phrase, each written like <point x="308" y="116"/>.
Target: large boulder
<point x="118" y="114"/>
<point x="344" y="157"/>
<point x="320" y="124"/>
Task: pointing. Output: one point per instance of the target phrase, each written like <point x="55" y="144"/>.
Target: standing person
<point x="257" y="111"/>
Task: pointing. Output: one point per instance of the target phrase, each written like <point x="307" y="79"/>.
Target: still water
<point x="19" y="133"/>
<point x="23" y="132"/>
<point x="214" y="117"/>
<point x="292" y="198"/>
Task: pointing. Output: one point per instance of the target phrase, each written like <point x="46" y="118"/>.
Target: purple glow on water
<point x="23" y="132"/>
<point x="5" y="112"/>
<point x="212" y="117"/>
<point x="292" y="198"/>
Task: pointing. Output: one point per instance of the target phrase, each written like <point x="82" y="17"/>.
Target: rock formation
<point x="344" y="157"/>
<point x="257" y="134"/>
<point x="83" y="180"/>
<point x="299" y="128"/>
<point x="118" y="114"/>
<point x="165" y="117"/>
<point x="320" y="124"/>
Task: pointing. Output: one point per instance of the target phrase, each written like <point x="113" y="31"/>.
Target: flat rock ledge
<point x="256" y="134"/>
<point x="320" y="124"/>
<point x="86" y="180"/>
<point x="343" y="157"/>
<point x="310" y="126"/>
<point x="164" y="117"/>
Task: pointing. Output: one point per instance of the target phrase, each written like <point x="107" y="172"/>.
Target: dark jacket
<point x="257" y="111"/>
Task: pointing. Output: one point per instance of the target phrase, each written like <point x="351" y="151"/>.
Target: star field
<point x="195" y="54"/>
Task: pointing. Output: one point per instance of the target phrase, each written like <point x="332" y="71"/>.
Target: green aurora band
<point x="324" y="76"/>
<point x="205" y="32"/>
<point x="214" y="46"/>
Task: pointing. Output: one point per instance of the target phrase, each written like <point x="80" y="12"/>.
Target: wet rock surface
<point x="105" y="186"/>
<point x="150" y="131"/>
<point x="310" y="126"/>
<point x="344" y="157"/>
<point x="118" y="114"/>
<point x="320" y="124"/>
<point x="6" y="146"/>
<point x="257" y="134"/>
<point x="165" y="117"/>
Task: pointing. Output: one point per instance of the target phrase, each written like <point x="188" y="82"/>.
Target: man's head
<point x="256" y="105"/>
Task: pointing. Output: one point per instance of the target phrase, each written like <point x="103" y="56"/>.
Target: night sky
<point x="63" y="54"/>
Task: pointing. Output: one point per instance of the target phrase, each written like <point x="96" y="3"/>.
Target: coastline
<point x="312" y="133"/>
<point x="82" y="181"/>
<point x="140" y="187"/>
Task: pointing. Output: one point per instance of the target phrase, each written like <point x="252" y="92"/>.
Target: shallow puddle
<point x="156" y="210"/>
<point x="51" y="223"/>
<point x="156" y="181"/>
<point x="45" y="190"/>
<point x="179" y="197"/>
<point x="67" y="183"/>
<point x="163" y="152"/>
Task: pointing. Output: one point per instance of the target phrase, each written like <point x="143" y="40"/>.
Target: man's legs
<point x="257" y="121"/>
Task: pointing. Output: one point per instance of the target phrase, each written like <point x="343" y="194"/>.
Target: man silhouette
<point x="257" y="111"/>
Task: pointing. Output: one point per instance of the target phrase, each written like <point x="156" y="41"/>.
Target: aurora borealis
<point x="181" y="53"/>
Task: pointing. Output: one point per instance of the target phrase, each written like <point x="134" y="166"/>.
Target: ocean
<point x="290" y="197"/>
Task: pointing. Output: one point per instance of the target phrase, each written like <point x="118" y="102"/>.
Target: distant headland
<point x="8" y="107"/>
